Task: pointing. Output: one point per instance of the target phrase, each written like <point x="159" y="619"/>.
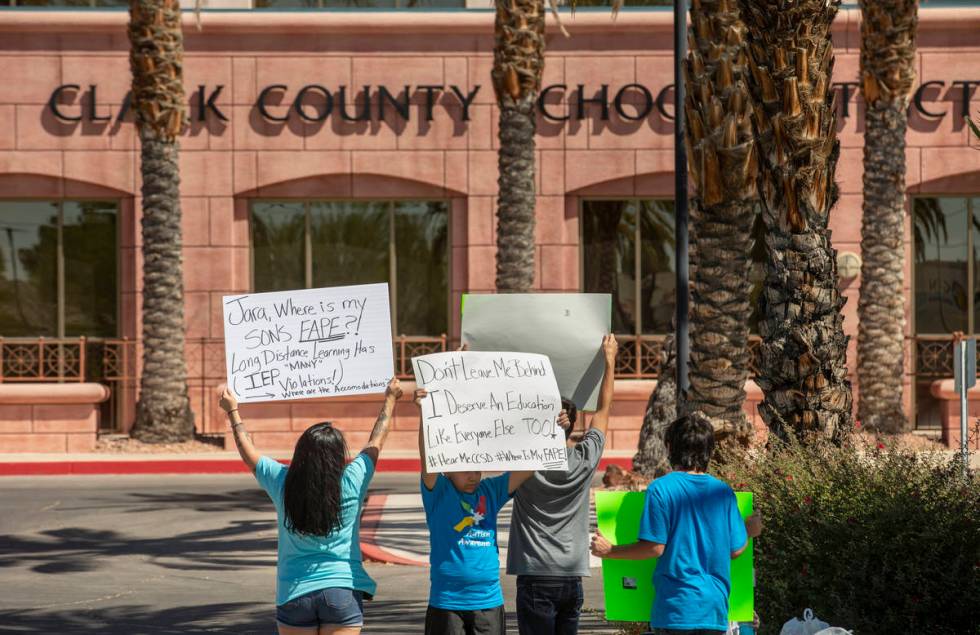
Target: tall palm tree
<point x="803" y="359"/>
<point x="888" y="76"/>
<point x="518" y="62"/>
<point x="163" y="411"/>
<point x="724" y="169"/>
<point x="724" y="166"/>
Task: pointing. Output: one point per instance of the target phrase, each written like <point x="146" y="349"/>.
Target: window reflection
<point x="941" y="235"/>
<point x="89" y="239"/>
<point x="334" y="243"/>
<point x="350" y="243"/>
<point x="628" y="249"/>
<point x="278" y="246"/>
<point x="422" y="266"/>
<point x="58" y="259"/>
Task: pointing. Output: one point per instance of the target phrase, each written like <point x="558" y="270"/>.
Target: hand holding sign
<point x="489" y="411"/>
<point x="308" y="343"/>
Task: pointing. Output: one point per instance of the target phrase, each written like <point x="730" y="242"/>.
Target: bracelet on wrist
<point x="228" y="412"/>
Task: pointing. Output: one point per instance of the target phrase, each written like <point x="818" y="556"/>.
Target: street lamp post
<point x="680" y="204"/>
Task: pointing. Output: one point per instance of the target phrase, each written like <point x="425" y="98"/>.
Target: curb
<point x="194" y="466"/>
<point x="370" y="520"/>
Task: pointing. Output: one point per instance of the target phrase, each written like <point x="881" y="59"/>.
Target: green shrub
<point x="877" y="540"/>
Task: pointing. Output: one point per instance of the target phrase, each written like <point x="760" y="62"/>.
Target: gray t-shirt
<point x="549" y="529"/>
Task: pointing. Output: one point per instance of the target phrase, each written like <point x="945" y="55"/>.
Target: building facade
<point x="341" y="147"/>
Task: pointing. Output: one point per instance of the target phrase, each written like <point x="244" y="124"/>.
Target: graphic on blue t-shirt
<point x="475" y="516"/>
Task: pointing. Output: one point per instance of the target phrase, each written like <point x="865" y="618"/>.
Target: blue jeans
<point x="327" y="607"/>
<point x="548" y="605"/>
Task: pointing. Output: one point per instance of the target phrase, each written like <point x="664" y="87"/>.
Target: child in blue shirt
<point x="692" y="524"/>
<point x="461" y="510"/>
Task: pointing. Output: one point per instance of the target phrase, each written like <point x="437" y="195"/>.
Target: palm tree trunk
<point x="724" y="167"/>
<point x="888" y="69"/>
<point x="163" y="411"/>
<point x="518" y="62"/>
<point x="804" y="349"/>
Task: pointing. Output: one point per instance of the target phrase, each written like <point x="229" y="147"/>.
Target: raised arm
<point x="429" y="480"/>
<point x="246" y="450"/>
<point x="600" y="420"/>
<point x="383" y="423"/>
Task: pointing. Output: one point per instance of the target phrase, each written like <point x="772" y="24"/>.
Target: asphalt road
<point x="168" y="554"/>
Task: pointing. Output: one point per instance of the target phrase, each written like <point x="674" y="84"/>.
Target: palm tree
<point x="803" y="358"/>
<point x="724" y="169"/>
<point x="888" y="76"/>
<point x="163" y="411"/>
<point x="518" y="62"/>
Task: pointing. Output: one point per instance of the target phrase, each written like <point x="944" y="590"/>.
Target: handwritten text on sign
<point x="490" y="411"/>
<point x="308" y="343"/>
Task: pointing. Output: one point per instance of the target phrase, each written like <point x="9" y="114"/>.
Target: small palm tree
<point x="163" y="411"/>
<point x="888" y="76"/>
<point x="803" y="357"/>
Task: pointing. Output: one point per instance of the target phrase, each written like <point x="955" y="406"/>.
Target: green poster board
<point x="628" y="584"/>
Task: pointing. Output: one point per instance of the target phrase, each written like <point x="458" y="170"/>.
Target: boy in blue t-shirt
<point x="692" y="524"/>
<point x="461" y="509"/>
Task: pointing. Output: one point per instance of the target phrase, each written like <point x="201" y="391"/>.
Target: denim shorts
<point x="328" y="607"/>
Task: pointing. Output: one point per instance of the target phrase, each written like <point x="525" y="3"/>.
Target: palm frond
<point x="197" y="13"/>
<point x="554" y="12"/>
<point x="973" y="126"/>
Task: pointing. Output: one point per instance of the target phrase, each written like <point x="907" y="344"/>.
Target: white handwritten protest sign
<point x="308" y="343"/>
<point x="490" y="411"/>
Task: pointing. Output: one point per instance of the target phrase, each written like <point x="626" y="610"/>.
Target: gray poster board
<point x="567" y="327"/>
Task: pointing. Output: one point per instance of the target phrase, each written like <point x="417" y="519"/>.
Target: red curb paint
<point x="196" y="466"/>
<point x="64" y="468"/>
<point x="370" y="520"/>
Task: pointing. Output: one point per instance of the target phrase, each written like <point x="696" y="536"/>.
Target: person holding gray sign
<point x="549" y="530"/>
<point x="465" y="597"/>
<point x="321" y="582"/>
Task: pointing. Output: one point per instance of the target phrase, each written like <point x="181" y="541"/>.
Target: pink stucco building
<point x="319" y="138"/>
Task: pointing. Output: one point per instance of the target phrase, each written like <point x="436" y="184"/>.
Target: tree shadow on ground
<point x="75" y="549"/>
<point x="238" y="618"/>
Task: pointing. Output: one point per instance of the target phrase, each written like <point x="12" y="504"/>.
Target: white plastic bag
<point x="809" y="625"/>
<point x="833" y="630"/>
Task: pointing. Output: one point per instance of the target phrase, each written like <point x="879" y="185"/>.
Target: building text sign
<point x="490" y="411"/>
<point x="308" y="343"/>
<point x="315" y="103"/>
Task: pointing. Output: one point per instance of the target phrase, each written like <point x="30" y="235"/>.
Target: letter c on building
<point x="917" y="99"/>
<point x="261" y="105"/>
<point x="53" y="102"/>
<point x="543" y="107"/>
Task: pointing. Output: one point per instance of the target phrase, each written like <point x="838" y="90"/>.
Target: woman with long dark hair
<point x="321" y="582"/>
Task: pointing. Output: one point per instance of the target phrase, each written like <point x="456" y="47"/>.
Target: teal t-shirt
<point x="309" y="563"/>
<point x="465" y="562"/>
<point x="696" y="517"/>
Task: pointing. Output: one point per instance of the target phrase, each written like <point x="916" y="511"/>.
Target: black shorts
<point x="479" y="622"/>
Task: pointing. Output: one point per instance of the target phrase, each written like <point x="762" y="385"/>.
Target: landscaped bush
<point x="877" y="540"/>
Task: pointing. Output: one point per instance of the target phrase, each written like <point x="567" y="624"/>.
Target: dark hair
<point x="572" y="412"/>
<point x="690" y="442"/>
<point x="311" y="497"/>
